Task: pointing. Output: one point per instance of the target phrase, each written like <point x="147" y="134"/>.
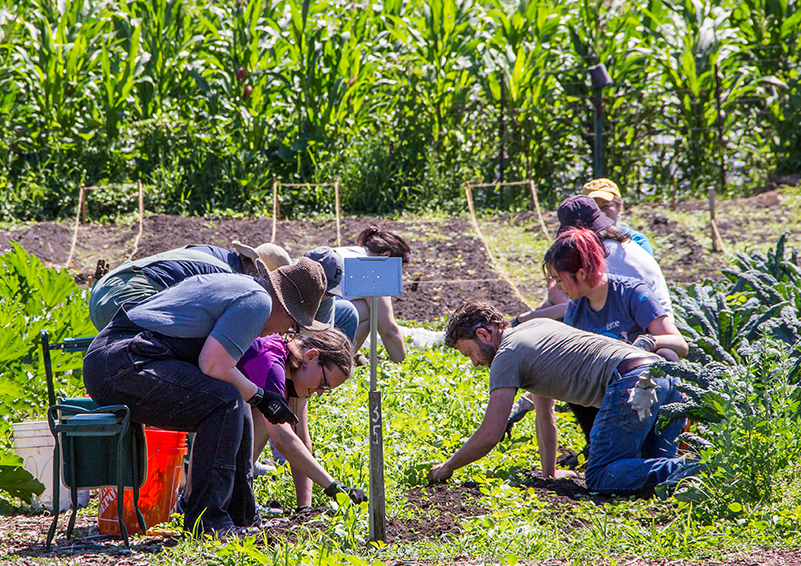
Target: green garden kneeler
<point x="100" y="446"/>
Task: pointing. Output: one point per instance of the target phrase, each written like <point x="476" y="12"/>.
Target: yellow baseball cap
<point x="601" y="189"/>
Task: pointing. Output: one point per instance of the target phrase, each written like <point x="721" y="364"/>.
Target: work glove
<point x="643" y="396"/>
<point x="275" y="409"/>
<point x="356" y="495"/>
<point x="519" y="410"/>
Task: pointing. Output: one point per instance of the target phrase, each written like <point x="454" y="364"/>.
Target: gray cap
<point x="333" y="265"/>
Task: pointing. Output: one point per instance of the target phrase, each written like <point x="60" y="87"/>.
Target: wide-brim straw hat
<point x="300" y="288"/>
<point x="272" y="255"/>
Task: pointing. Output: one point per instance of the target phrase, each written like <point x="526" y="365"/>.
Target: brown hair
<point x="333" y="345"/>
<point x="470" y="317"/>
<point x="613" y="233"/>
<point x="378" y="242"/>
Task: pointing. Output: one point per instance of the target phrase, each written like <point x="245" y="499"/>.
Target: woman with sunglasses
<point x="297" y="369"/>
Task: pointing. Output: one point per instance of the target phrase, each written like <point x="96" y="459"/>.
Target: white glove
<point x="645" y="342"/>
<point x="643" y="396"/>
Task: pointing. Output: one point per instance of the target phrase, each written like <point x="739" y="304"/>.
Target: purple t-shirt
<point x="264" y="363"/>
<point x="630" y="307"/>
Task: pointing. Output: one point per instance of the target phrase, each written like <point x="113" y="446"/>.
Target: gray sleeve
<point x="505" y="370"/>
<point x="242" y="322"/>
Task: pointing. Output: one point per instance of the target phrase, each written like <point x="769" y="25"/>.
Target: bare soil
<point x="449" y="265"/>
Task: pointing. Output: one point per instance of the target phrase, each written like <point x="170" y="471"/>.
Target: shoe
<point x="575" y="461"/>
<point x="361" y="360"/>
<point x="263" y="467"/>
<point x="684" y="471"/>
<point x="229" y="533"/>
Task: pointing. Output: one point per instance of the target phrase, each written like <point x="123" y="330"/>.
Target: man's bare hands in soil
<point x="439" y="474"/>
<point x="565" y="474"/>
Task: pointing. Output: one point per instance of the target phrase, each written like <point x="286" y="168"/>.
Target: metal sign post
<point x="374" y="277"/>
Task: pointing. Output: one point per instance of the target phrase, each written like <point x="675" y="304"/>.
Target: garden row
<point x="402" y="101"/>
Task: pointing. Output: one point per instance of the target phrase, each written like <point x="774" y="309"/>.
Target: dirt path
<point x="448" y="262"/>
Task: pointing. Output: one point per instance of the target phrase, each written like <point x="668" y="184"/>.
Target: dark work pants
<point x="585" y="417"/>
<point x="154" y="376"/>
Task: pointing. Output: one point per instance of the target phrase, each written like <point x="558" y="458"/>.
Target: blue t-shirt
<point x="638" y="238"/>
<point x="169" y="273"/>
<point x="230" y="307"/>
<point x="630" y="307"/>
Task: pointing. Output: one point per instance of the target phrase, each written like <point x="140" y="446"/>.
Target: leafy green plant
<point x="16" y="481"/>
<point x="761" y="298"/>
<point x="36" y="298"/>
<point x="33" y="298"/>
<point x="749" y="434"/>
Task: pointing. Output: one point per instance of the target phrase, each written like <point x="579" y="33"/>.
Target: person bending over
<point x="172" y="359"/>
<point x="135" y="281"/>
<point x="556" y="361"/>
<point x="296" y="369"/>
<point x="375" y="242"/>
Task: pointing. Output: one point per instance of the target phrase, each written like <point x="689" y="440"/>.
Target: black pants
<point x="585" y="417"/>
<point x="158" y="378"/>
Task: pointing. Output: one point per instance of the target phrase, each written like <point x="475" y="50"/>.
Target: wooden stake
<point x="275" y="206"/>
<point x="81" y="200"/>
<point x="717" y="241"/>
<point x="141" y="220"/>
<point x="376" y="504"/>
<point x="537" y="206"/>
<point x="336" y="198"/>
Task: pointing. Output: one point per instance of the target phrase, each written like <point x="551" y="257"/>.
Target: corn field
<point x="401" y="100"/>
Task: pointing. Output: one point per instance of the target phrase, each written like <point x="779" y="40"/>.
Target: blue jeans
<point x="628" y="456"/>
<point x="346" y="318"/>
<point x="156" y="377"/>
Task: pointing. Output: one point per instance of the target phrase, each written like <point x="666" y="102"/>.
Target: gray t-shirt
<point x="230" y="307"/>
<point x="554" y="360"/>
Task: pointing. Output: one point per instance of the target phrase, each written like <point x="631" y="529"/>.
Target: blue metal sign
<point x="372" y="277"/>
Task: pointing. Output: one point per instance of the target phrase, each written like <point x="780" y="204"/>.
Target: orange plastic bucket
<point x="159" y="494"/>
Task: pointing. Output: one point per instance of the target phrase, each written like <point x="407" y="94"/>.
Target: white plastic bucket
<point x="34" y="443"/>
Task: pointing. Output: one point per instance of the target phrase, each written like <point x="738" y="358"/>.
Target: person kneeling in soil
<point x="555" y="361"/>
<point x="296" y="369"/>
<point x="172" y="360"/>
<point x="603" y="303"/>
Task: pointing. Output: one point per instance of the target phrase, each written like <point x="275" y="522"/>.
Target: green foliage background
<point x="403" y="101"/>
<point x="33" y="298"/>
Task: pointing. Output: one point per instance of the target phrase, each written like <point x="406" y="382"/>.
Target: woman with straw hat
<point x="172" y="359"/>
